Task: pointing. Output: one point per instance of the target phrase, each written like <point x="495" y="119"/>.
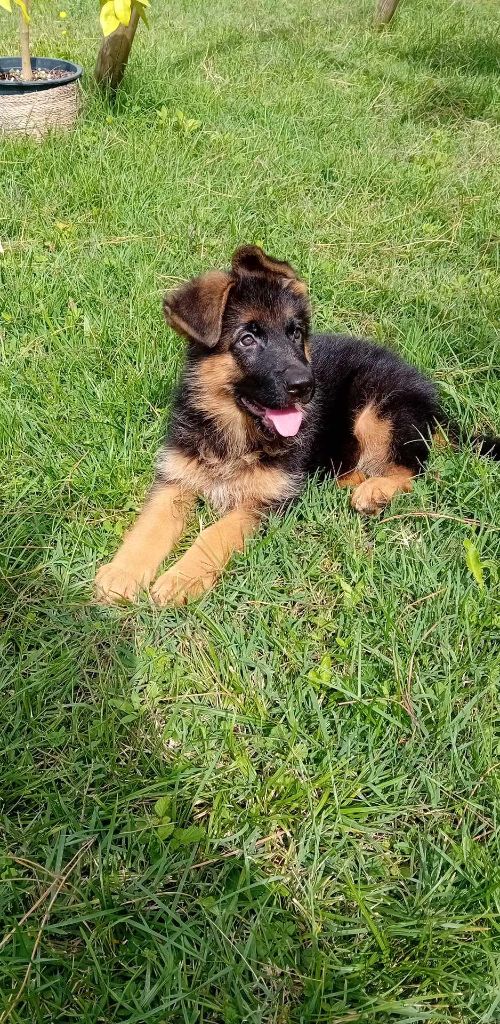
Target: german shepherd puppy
<point x="260" y="406"/>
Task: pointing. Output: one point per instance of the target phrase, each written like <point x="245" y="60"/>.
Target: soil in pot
<point x="41" y="75"/>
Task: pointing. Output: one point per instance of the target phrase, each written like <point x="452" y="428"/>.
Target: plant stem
<point x="24" y="32"/>
<point x="113" y="55"/>
<point x="384" y="12"/>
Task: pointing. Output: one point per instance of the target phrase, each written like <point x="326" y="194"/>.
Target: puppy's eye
<point x="296" y="334"/>
<point x="247" y="340"/>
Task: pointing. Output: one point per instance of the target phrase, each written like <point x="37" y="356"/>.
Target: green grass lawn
<point x="280" y="805"/>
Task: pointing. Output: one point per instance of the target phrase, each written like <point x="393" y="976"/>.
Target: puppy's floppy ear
<point x="196" y="308"/>
<point x="252" y="260"/>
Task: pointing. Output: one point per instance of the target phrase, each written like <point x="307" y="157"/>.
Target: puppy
<point x="261" y="405"/>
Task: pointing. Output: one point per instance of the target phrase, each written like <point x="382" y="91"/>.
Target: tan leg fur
<point x="351" y="479"/>
<point x="199" y="568"/>
<point x="376" y="479"/>
<point x="151" y="538"/>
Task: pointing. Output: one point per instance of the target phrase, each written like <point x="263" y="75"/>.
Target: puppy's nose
<point x="299" y="384"/>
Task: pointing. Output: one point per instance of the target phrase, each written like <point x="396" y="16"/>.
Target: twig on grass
<point x="440" y="515"/>
<point x="426" y="597"/>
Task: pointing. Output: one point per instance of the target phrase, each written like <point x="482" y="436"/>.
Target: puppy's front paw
<point x="375" y="493"/>
<point x="113" y="584"/>
<point x="176" y="588"/>
<point x="370" y="496"/>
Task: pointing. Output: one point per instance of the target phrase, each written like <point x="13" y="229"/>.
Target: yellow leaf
<point x="6" y="5"/>
<point x="123" y="10"/>
<point x="108" y="19"/>
<point x="143" y="3"/>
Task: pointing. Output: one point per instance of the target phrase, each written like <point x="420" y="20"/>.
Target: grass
<point x="279" y="806"/>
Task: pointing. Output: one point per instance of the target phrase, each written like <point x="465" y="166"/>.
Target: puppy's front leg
<point x="204" y="561"/>
<point x="153" y="535"/>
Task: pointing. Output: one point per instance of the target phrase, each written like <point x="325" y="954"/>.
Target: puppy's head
<point x="256" y="316"/>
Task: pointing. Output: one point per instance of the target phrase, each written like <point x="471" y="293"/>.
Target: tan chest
<point x="230" y="483"/>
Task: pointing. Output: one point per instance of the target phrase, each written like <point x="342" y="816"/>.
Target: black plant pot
<point x="37" y="107"/>
<point x="72" y="73"/>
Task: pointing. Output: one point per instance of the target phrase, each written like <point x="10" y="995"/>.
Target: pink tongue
<point x="286" y="421"/>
